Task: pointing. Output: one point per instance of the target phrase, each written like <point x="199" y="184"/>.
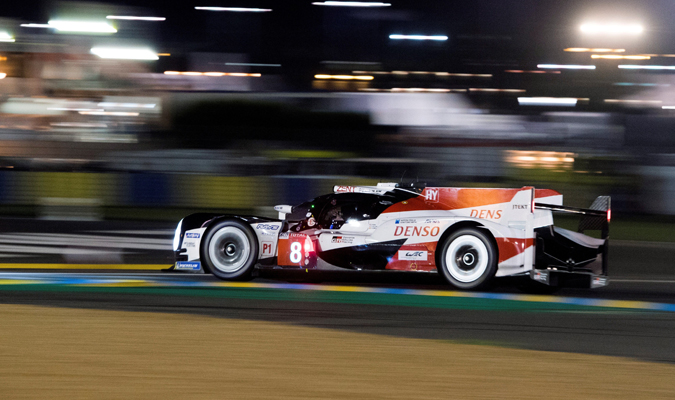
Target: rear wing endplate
<point x="597" y="217"/>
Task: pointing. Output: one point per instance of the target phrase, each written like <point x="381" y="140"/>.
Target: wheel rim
<point x="467" y="258"/>
<point x="229" y="249"/>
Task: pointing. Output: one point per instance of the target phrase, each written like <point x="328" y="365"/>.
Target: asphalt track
<point x="566" y="322"/>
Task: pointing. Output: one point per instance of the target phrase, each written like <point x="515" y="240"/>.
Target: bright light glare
<point x="195" y="73"/>
<point x="520" y="71"/>
<point x="653" y="67"/>
<point x="134" y="18"/>
<point x="418" y="37"/>
<point x="3" y="75"/>
<point x="540" y="159"/>
<point x="496" y="90"/>
<point x="612" y="29"/>
<point x="565" y="66"/>
<point x="633" y="101"/>
<point x="668" y="107"/>
<point x="420" y="90"/>
<point x="79" y="124"/>
<point x="413" y="90"/>
<point x="122" y="53"/>
<point x="587" y="50"/>
<point x="176" y="236"/>
<point x="82" y="26"/>
<point x="351" y="4"/>
<point x="618" y="57"/>
<point x="345" y="77"/>
<point x="36" y="26"/>
<point x="110" y="113"/>
<point x="107" y="104"/>
<point x="6" y="37"/>
<point x="234" y="9"/>
<point x="547" y="101"/>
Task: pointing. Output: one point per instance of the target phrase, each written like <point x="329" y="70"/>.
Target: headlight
<point x="176" y="236"/>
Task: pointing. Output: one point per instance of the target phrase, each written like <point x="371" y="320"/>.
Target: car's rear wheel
<point x="229" y="250"/>
<point x="468" y="259"/>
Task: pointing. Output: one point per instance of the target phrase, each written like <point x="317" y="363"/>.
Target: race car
<point x="468" y="235"/>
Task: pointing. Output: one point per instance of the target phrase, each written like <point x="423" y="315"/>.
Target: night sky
<point x="484" y="35"/>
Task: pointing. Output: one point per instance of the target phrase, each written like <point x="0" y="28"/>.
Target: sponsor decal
<point x="406" y="221"/>
<point x="432" y="221"/>
<point x="372" y="226"/>
<point x="192" y="235"/>
<point x="342" y="239"/>
<point x="189" y="244"/>
<point x="417" y="231"/>
<point x="189" y="265"/>
<point x="311" y="222"/>
<point x="520" y="206"/>
<point x="488" y="214"/>
<point x="344" y="189"/>
<point x="267" y="227"/>
<point x="412" y="255"/>
<point x="283" y="235"/>
<point x="267" y="248"/>
<point x="431" y="195"/>
<point x="540" y="276"/>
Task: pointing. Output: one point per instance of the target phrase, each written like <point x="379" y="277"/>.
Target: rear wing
<point x="597" y="217"/>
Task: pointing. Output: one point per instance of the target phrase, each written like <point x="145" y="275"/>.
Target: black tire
<point x="229" y="250"/>
<point x="468" y="259"/>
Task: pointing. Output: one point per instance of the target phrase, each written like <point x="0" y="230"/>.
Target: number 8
<point x="296" y="254"/>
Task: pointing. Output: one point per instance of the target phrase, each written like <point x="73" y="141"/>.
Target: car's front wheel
<point x="229" y="250"/>
<point x="468" y="259"/>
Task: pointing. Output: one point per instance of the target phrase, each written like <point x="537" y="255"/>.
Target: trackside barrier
<point x="62" y="194"/>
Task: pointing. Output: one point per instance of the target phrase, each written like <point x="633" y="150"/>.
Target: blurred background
<point x="149" y="110"/>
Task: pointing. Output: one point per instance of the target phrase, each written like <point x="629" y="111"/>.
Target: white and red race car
<point x="468" y="235"/>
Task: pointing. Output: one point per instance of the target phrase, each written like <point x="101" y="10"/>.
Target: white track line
<point x="87" y="241"/>
<point x="161" y="232"/>
<point x="51" y="250"/>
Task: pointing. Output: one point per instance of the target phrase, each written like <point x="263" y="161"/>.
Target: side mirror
<point x="283" y="210"/>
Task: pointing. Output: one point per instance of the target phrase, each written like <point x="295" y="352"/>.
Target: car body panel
<point x="386" y="227"/>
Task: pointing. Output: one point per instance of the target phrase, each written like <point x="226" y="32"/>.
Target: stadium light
<point x="612" y="29"/>
<point x="587" y="50"/>
<point x="6" y="37"/>
<point x="547" y="101"/>
<point x="418" y="37"/>
<point x="234" y="9"/>
<point x="81" y="26"/>
<point x="36" y="26"/>
<point x="618" y="57"/>
<point x="652" y="67"/>
<point x="351" y="4"/>
<point x="134" y="18"/>
<point x="212" y="74"/>
<point x="565" y="66"/>
<point x="345" y="77"/>
<point x="124" y="53"/>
